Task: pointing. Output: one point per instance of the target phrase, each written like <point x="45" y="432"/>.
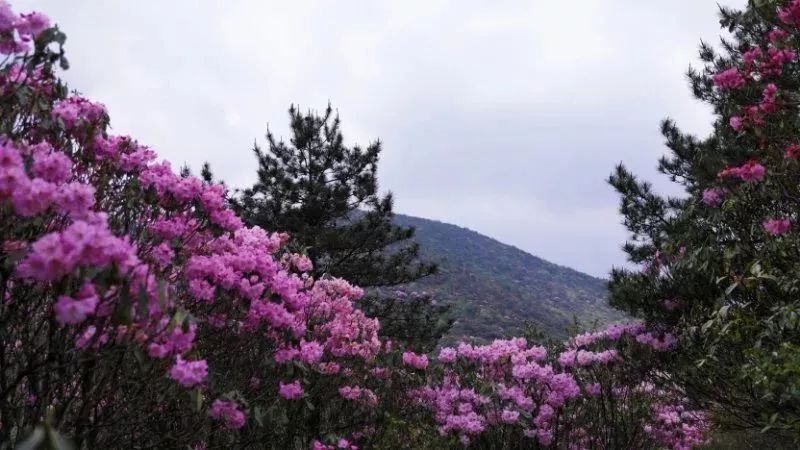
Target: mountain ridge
<point x="495" y="288"/>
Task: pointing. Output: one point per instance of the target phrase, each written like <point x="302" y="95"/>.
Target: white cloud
<point x="504" y="116"/>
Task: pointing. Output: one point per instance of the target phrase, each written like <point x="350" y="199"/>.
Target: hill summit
<point x="494" y="288"/>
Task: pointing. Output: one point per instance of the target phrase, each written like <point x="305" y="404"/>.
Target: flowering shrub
<point x="137" y="311"/>
<point x="135" y="306"/>
<point x="594" y="393"/>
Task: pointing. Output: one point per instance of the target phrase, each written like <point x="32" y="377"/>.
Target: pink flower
<point x="32" y="24"/>
<point x="330" y="368"/>
<point x="713" y="197"/>
<point x="509" y="416"/>
<point x="301" y="263"/>
<point x="75" y="200"/>
<point x="729" y="79"/>
<point x="310" y="352"/>
<point x="751" y="56"/>
<point x="70" y="311"/>
<point x="737" y="123"/>
<point x="777" y="227"/>
<point x="55" y="255"/>
<point x="544" y="436"/>
<point x="291" y="391"/>
<point x="749" y="171"/>
<point x="189" y="373"/>
<point x="790" y="15"/>
<point x="228" y="412"/>
<point x="52" y="166"/>
<point x="666" y="342"/>
<point x="447" y="355"/>
<point x="317" y="445"/>
<point x="419" y="362"/>
<point x="752" y="171"/>
<point x="162" y="254"/>
<point x="768" y="103"/>
<point x="33" y="197"/>
<point x="777" y="35"/>
<point x="776" y="58"/>
<point x="356" y="393"/>
<point x="88" y="337"/>
<point x="792" y="151"/>
<point x="78" y="110"/>
<point x="380" y="372"/>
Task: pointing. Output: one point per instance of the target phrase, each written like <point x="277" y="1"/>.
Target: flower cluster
<point x="130" y="258"/>
<point x="777" y="227"/>
<point x="116" y="266"/>
<point x="749" y="172"/>
<point x="228" y="413"/>
<point x="729" y="79"/>
<point x="17" y="32"/>
<point x="415" y="361"/>
<point x="790" y="15"/>
<point x="675" y="424"/>
<point x="761" y="65"/>
<point x="556" y="398"/>
<point x="291" y="391"/>
<point x="713" y="197"/>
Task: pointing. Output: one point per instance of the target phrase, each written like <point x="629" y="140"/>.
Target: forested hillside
<point x="496" y="287"/>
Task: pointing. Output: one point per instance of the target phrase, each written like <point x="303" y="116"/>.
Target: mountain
<point x="494" y="288"/>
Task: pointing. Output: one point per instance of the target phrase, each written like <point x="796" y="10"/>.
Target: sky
<point x="505" y="117"/>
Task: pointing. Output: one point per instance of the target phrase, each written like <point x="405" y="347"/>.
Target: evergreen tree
<point x="325" y="195"/>
<point x="416" y="320"/>
<point x="721" y="265"/>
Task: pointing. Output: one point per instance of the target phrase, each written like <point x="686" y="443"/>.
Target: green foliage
<point x="417" y="321"/>
<point x="495" y="288"/>
<point x="711" y="272"/>
<point x="325" y="195"/>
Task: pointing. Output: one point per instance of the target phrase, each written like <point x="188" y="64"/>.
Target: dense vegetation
<point x="495" y="288"/>
<point x="138" y="310"/>
<point x="720" y="266"/>
<point x="325" y="195"/>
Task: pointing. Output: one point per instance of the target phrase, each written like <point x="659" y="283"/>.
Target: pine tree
<point x="325" y="195"/>
<point x="720" y="265"/>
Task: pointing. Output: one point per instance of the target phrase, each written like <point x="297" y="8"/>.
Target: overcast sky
<point x="501" y="116"/>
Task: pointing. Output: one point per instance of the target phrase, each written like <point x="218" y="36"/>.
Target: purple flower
<point x="777" y="227"/>
<point x="290" y="391"/>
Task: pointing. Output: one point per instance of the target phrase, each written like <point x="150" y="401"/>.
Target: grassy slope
<point x="495" y="287"/>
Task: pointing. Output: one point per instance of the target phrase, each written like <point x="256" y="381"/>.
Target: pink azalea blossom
<point x="729" y="79"/>
<point x="777" y="227"/>
<point x="290" y="391"/>
<point x="416" y="361"/>
<point x="70" y="311"/>
<point x="228" y="412"/>
<point x="189" y="373"/>
<point x="447" y="355"/>
<point x="737" y="123"/>
<point x="790" y="15"/>
<point x="712" y="197"/>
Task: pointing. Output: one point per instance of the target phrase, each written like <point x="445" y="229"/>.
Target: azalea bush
<point x="135" y="306"/>
<point x="598" y="390"/>
<point x="136" y="310"/>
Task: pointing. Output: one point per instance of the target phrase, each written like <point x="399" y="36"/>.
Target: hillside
<point x="496" y="287"/>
